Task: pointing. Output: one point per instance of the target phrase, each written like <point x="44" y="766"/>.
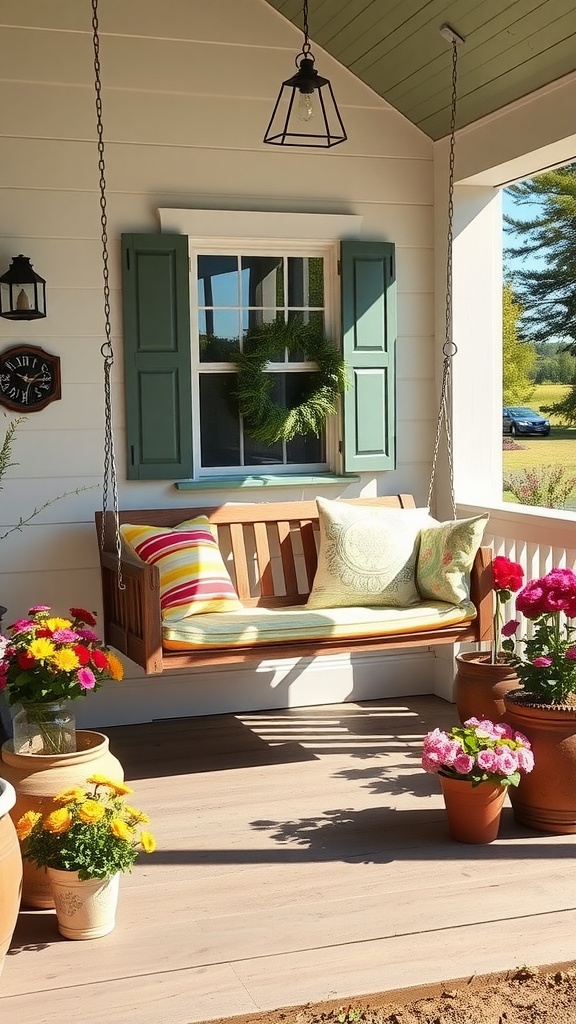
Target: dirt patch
<point x="526" y="996"/>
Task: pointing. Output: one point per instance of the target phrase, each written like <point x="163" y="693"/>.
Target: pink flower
<point x="519" y="737"/>
<point x="503" y="730"/>
<point x="86" y="678"/>
<point x="65" y="636"/>
<point x="525" y="759"/>
<point x="506" y="761"/>
<point x="463" y="763"/>
<point x="487" y="760"/>
<point x="571" y="654"/>
<point x="542" y="662"/>
<point x="39" y="608"/>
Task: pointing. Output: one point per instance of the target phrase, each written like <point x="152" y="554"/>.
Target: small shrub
<point x="544" y="486"/>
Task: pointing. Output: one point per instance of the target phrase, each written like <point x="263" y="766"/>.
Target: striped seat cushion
<point x="193" y="576"/>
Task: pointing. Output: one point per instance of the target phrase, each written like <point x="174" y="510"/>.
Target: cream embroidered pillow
<point x="367" y="555"/>
<point x="447" y="552"/>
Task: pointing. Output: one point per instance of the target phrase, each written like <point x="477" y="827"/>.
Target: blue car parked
<point x="517" y="419"/>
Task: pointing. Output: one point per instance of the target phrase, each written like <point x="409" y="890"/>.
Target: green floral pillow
<point x="367" y="555"/>
<point x="446" y="556"/>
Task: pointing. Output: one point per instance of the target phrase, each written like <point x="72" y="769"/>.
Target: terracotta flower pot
<point x="38" y="778"/>
<point x="84" y="910"/>
<point x="480" y="686"/>
<point x="473" y="811"/>
<point x="10" y="869"/>
<point x="545" y="798"/>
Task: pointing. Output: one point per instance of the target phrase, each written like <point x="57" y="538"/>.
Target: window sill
<point x="232" y="483"/>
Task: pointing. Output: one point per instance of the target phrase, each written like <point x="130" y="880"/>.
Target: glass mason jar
<point x="44" y="728"/>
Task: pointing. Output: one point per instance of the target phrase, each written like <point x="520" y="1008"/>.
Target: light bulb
<point x="305" y="106"/>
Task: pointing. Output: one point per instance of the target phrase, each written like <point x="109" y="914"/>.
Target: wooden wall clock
<point x="29" y="378"/>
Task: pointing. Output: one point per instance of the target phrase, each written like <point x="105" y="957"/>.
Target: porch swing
<point x="270" y="549"/>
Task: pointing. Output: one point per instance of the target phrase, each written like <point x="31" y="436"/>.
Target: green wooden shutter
<point x="156" y="308"/>
<point x="369" y="330"/>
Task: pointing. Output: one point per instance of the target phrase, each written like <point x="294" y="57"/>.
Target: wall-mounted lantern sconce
<point x="306" y="113"/>
<point x="22" y="291"/>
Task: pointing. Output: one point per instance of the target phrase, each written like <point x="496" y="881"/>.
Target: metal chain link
<point x="106" y="349"/>
<point x="449" y="348"/>
<point x="306" y="46"/>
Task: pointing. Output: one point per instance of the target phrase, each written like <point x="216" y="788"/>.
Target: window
<point x="179" y="342"/>
<point x="231" y="294"/>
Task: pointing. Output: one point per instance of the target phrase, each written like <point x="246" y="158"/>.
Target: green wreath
<point x="267" y="421"/>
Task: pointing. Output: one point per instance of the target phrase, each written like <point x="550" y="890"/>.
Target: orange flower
<point x="91" y="811"/>
<point x="69" y="795"/>
<point x="26" y="823"/>
<point x="116" y="667"/>
<point x="120" y="829"/>
<point x="58" y="821"/>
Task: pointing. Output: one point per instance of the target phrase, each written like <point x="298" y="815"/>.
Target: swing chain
<point x="449" y="348"/>
<point x="106" y="348"/>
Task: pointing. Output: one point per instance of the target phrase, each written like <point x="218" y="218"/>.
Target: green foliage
<point x="267" y="421"/>
<point x="350" y="1015"/>
<point x="518" y="358"/>
<point x="89" y="830"/>
<point x="544" y="486"/>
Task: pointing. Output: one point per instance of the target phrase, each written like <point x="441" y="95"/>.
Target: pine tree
<point x="547" y="292"/>
<point x="518" y="357"/>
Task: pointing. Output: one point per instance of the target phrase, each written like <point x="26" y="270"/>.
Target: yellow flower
<point x="41" y="648"/>
<point x="56" y="623"/>
<point x="69" y="795"/>
<point x="120" y="829"/>
<point x="59" y="821"/>
<point x="115" y="665"/>
<point x="148" y="842"/>
<point x="91" y="811"/>
<point x="136" y="815"/>
<point x="65" y="660"/>
<point x="26" y="823"/>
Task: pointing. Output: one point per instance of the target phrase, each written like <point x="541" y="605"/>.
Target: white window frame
<point x="240" y="232"/>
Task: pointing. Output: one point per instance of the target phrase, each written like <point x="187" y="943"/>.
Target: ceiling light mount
<point x="451" y="34"/>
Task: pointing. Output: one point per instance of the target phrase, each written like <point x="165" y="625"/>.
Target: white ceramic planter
<point x="85" y="910"/>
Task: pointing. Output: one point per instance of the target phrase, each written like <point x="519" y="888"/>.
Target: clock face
<point x="29" y="378"/>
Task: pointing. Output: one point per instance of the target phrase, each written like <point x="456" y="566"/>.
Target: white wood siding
<point x="188" y="90"/>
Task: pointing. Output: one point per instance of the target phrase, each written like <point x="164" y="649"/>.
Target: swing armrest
<point x="132" y="619"/>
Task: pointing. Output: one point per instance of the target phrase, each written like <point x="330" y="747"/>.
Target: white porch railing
<point x="540" y="539"/>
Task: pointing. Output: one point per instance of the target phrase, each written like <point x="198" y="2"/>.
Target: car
<point x="517" y="419"/>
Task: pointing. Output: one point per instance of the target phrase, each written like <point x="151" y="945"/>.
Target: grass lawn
<point x="559" y="449"/>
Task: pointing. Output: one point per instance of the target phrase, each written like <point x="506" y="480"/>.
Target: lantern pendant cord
<point x="110" y="479"/>
<point x="449" y="348"/>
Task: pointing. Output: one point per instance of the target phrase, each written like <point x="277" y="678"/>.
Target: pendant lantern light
<point x="305" y="113"/>
<point x="22" y="291"/>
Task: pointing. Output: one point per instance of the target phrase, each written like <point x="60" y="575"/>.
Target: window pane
<point x="219" y="420"/>
<point x="218" y="281"/>
<point x="303" y="447"/>
<point x="219" y="335"/>
<point x="305" y="281"/>
<point x="262" y="281"/>
<point x="256" y="453"/>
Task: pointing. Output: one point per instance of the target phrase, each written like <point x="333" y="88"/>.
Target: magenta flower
<point x="86" y="678"/>
<point x="509" y="628"/>
<point x="478" y="751"/>
<point x="39" y="608"/>
<point x="65" y="636"/>
<point x="544" y="661"/>
<point x="506" y="761"/>
<point x="571" y="654"/>
<point x="463" y="763"/>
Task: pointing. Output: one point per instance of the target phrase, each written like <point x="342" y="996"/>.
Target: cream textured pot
<point x="38" y="778"/>
<point x="85" y="910"/>
<point x="10" y="869"/>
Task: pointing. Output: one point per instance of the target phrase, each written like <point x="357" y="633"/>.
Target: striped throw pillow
<point x="193" y="577"/>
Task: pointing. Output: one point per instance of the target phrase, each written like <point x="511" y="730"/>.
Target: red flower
<point x="81" y="615"/>
<point x="82" y="653"/>
<point x="25" y="660"/>
<point x="507" y="575"/>
<point x="99" y="659"/>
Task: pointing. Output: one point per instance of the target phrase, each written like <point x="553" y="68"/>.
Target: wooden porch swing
<point x="271" y="549"/>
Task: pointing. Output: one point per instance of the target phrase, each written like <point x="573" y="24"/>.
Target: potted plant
<point x="483" y="677"/>
<point x="545" y="708"/>
<point x="46" y="662"/>
<point x="85" y="841"/>
<point x="476" y="764"/>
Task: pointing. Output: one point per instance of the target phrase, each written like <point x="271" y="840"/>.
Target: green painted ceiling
<point x="512" y="48"/>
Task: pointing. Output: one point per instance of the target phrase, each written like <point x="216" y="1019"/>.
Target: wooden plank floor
<point x="302" y="855"/>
